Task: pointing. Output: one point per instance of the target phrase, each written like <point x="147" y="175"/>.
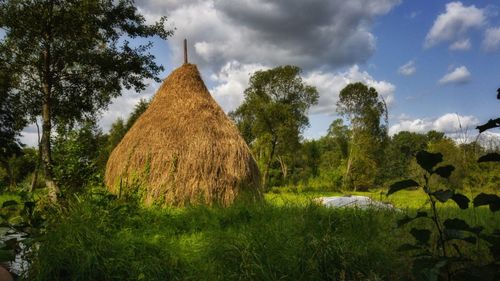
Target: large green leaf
<point x="461" y="200"/>
<point x="9" y="203"/>
<point x="492" y="123"/>
<point x="428" y="160"/>
<point x="445" y="171"/>
<point x="490" y="157"/>
<point x="443" y="194"/>
<point x="492" y="200"/>
<point x="400" y="185"/>
<point x="421" y="235"/>
<point x="458" y="224"/>
<point x="408" y="219"/>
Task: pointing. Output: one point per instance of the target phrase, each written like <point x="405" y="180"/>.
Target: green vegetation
<point x="97" y="237"/>
<point x="107" y="240"/>
<point x="61" y="63"/>
<point x="67" y="59"/>
<point x="273" y="116"/>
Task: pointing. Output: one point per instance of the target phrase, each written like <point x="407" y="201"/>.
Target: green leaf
<point x="460" y="225"/>
<point x="492" y="123"/>
<point x="408" y="219"/>
<point x="461" y="200"/>
<point x="428" y="160"/>
<point x="421" y="235"/>
<point x="445" y="171"/>
<point x="9" y="203"/>
<point x="492" y="200"/>
<point x="490" y="157"/>
<point x="400" y="185"/>
<point x="443" y="194"/>
<point x="457" y="224"/>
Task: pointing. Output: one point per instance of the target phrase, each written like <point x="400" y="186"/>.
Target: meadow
<point x="94" y="236"/>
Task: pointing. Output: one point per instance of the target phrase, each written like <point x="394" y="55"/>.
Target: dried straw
<point x="184" y="150"/>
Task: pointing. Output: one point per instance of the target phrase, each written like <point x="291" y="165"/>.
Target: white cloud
<point x="233" y="80"/>
<point x="408" y="68"/>
<point x="461" y="45"/>
<point x="453" y="125"/>
<point x="330" y="84"/>
<point x="459" y="75"/>
<point x="454" y="24"/>
<point x="491" y="41"/>
<point x="330" y="34"/>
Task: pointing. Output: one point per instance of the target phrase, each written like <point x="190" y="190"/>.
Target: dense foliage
<point x="273" y="116"/>
<point x="70" y="58"/>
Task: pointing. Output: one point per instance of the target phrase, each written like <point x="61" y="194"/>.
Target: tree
<point x="118" y="130"/>
<point x="339" y="133"/>
<point x="364" y="109"/>
<point x="73" y="57"/>
<point x="76" y="152"/>
<point x="400" y="151"/>
<point x="12" y="118"/>
<point x="274" y="114"/>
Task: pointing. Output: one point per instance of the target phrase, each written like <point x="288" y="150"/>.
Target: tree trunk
<point x="265" y="178"/>
<point x="347" y="171"/>
<point x="349" y="161"/>
<point x="284" y="168"/>
<point x="38" y="161"/>
<point x="46" y="123"/>
<point x="46" y="153"/>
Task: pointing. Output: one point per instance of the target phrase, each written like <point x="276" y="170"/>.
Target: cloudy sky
<point x="436" y="63"/>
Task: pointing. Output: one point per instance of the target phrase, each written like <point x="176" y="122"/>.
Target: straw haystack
<point x="184" y="149"/>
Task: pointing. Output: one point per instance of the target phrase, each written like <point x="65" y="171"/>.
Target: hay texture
<point x="184" y="149"/>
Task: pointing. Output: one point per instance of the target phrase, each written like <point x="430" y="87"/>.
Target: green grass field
<point x="287" y="237"/>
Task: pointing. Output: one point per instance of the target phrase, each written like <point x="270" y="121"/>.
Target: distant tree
<point x="73" y="57"/>
<point x="274" y="114"/>
<point x="340" y="135"/>
<point x="138" y="110"/>
<point x="118" y="130"/>
<point x="311" y="158"/>
<point x="434" y="136"/>
<point x="401" y="150"/>
<point x="366" y="113"/>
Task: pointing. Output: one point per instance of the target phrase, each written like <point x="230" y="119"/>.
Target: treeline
<point x="80" y="152"/>
<point x="322" y="164"/>
<point x="356" y="154"/>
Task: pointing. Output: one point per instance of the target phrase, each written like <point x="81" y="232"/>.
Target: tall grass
<point x="100" y="239"/>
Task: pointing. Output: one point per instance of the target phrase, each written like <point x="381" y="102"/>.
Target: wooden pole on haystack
<point x="185" y="52"/>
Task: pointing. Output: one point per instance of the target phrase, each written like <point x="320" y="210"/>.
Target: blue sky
<point x="435" y="62"/>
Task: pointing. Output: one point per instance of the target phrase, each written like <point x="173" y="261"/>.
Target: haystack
<point x="184" y="149"/>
